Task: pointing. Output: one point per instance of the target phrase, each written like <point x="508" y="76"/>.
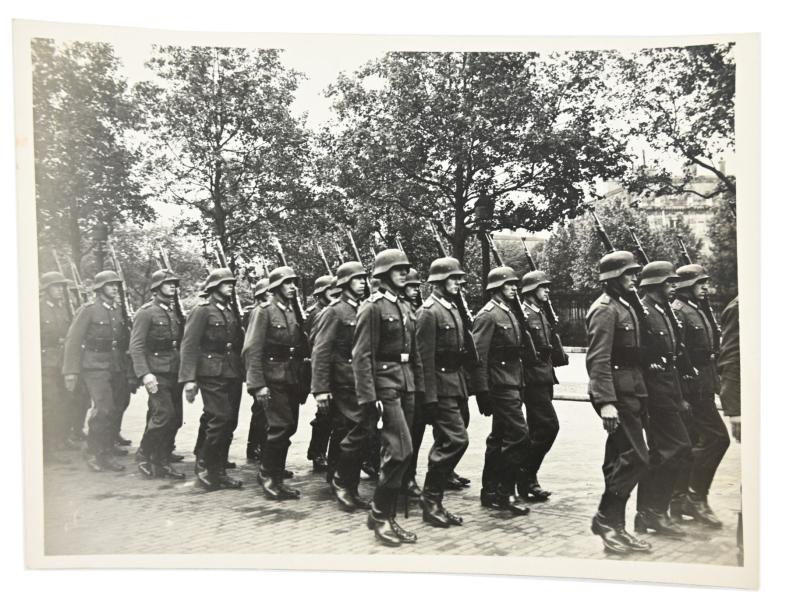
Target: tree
<point x="680" y="101"/>
<point x="225" y="143"/>
<point x="722" y="263"/>
<point x="85" y="162"/>
<point x="434" y="134"/>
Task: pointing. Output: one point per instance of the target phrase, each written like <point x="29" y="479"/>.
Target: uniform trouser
<point x="221" y="398"/>
<point x="626" y="457"/>
<point x="57" y="405"/>
<point x="450" y="440"/>
<point x="507" y="444"/>
<point x="321" y="428"/>
<point x="710" y="441"/>
<point x="349" y="437"/>
<point x="542" y="424"/>
<point x="416" y="426"/>
<point x="281" y="414"/>
<point x="108" y="390"/>
<point x="258" y="427"/>
<point x="125" y="401"/>
<point x="164" y="418"/>
<point x="81" y="402"/>
<point x="396" y="447"/>
<point x="670" y="447"/>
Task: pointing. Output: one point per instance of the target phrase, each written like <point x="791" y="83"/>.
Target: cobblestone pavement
<point x="111" y="513"/>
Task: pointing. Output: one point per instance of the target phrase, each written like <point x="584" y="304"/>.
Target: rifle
<point x="399" y="244"/>
<point x="339" y="253"/>
<point x="223" y="262"/>
<point x="516" y="304"/>
<point x="461" y="303"/>
<point x="638" y="251"/>
<point x="163" y="260"/>
<point x="67" y="297"/>
<point x="705" y="304"/>
<point x="367" y="288"/>
<point x="124" y="301"/>
<point x="80" y="292"/>
<point x="324" y="259"/>
<point x="549" y="311"/>
<point x="298" y="309"/>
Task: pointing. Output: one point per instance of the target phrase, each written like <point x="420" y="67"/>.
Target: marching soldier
<point x="387" y="373"/>
<point x="54" y="323"/>
<point x="210" y="362"/>
<point x="274" y="350"/>
<point x="258" y="421"/>
<point x="412" y="300"/>
<point x="498" y="386"/>
<point x="540" y="377"/>
<point x="333" y="385"/>
<point x="325" y="291"/>
<point x="666" y="434"/>
<point x="96" y="349"/>
<point x="155" y="345"/>
<point x="707" y="430"/>
<point x="443" y="353"/>
<point x="618" y="393"/>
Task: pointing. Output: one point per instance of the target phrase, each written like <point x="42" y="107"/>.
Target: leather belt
<point x="162" y="345"/>
<point x="100" y="345"/>
<point x="282" y="353"/>
<point x="450" y="361"/>
<point x="505" y="353"/>
<point x="399" y="357"/>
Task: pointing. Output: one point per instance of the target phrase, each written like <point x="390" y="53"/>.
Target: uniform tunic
<point x="613" y="361"/>
<point x="155" y="349"/>
<point x="274" y="350"/>
<point x="440" y="337"/>
<point x="210" y="356"/>
<point x="96" y="348"/>
<point x="57" y="404"/>
<point x="498" y="339"/>
<point x="321" y="425"/>
<point x="540" y="377"/>
<point x="707" y="430"/>
<point x="729" y="366"/>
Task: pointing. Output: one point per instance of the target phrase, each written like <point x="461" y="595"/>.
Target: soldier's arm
<point x="73" y="343"/>
<point x="426" y="345"/>
<point x="483" y="330"/>
<point x="190" y="346"/>
<point x="141" y="327"/>
<point x="253" y="350"/>
<point x="363" y="358"/>
<point x="324" y="329"/>
<point x="601" y="325"/>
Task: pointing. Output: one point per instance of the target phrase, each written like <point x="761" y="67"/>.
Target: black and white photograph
<point x="389" y="303"/>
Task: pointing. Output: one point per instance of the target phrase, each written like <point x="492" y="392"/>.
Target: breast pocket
<point x="391" y="328"/>
<point x="216" y="330"/>
<point x="696" y="336"/>
<point x="446" y="336"/>
<point x="278" y="332"/>
<point x="100" y="329"/>
<point x="209" y="366"/>
<point x="160" y="329"/>
<point x="625" y="335"/>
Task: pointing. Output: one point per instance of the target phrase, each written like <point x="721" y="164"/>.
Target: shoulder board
<point x="428" y="302"/>
<point x="604" y="299"/>
<point x="677" y="305"/>
<point x="264" y="304"/>
<point x="375" y="296"/>
<point x="488" y="307"/>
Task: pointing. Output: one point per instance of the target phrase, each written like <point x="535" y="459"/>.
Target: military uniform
<point x="155" y="349"/>
<point x="96" y="349"/>
<point x="729" y="365"/>
<point x="709" y="435"/>
<point x="444" y="357"/>
<point x="540" y="377"/>
<point x="57" y="404"/>
<point x="321" y="425"/>
<point x="498" y="339"/>
<point x="210" y="356"/>
<point x="274" y="350"/>
<point x="256" y="435"/>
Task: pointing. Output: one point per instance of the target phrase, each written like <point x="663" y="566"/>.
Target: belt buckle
<point x="292" y="350"/>
<point x="113" y="344"/>
<point x="228" y="346"/>
<point x="174" y="343"/>
<point x="404" y="357"/>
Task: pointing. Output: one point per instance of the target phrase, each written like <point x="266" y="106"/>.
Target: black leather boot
<point x="605" y="528"/>
<point x="432" y="513"/>
<point x="489" y="499"/>
<point x="343" y="495"/>
<point x="676" y="506"/>
<point x="288" y="492"/>
<point x="536" y="491"/>
<point x="378" y="522"/>
<point x="453" y="482"/>
<point x="269" y="485"/>
<point x="108" y="463"/>
<point x="207" y="479"/>
<point x="412" y="489"/>
<point x="634" y="543"/>
<point x="406" y="536"/>
<point x="649" y="519"/>
<point x="464" y="481"/>
<point x="147" y="468"/>
<point x="508" y="500"/>
<point x="360" y="501"/>
<point x="227" y="482"/>
<point x="175" y="457"/>
<point x="696" y="506"/>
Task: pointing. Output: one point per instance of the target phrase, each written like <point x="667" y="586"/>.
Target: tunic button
<point x="616" y="366"/>
<point x="442" y="369"/>
<point x="384" y="367"/>
<point x="502" y="362"/>
<point x="155" y="354"/>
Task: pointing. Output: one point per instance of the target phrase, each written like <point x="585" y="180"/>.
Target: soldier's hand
<point x="484" y="403"/>
<point x="71" y="381"/>
<point x="610" y="416"/>
<point x="191" y="391"/>
<point x="736" y="428"/>
<point x="262" y="396"/>
<point x="684" y="406"/>
<point x="150" y="383"/>
<point x="323" y="402"/>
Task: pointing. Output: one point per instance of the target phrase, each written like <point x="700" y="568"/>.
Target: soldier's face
<point x="452" y="285"/>
<point x="397" y="276"/>
<point x="168" y="289"/>
<point x="225" y="289"/>
<point x="288" y="289"/>
<point x="412" y="291"/>
<point x="669" y="290"/>
<point x="542" y="293"/>
<point x="55" y="292"/>
<point x="700" y="290"/>
<point x="330" y="294"/>
<point x="111" y="290"/>
<point x="509" y="290"/>
<point x="357" y="285"/>
<point x="627" y="281"/>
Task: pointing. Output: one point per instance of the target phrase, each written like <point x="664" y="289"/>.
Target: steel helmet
<point x="279" y="275"/>
<point x="616" y="263"/>
<point x="444" y="267"/>
<point x="50" y="278"/>
<point x="413" y="277"/>
<point x="387" y="259"/>
<point x="105" y="277"/>
<point x="347" y="271"/>
<point x="533" y="280"/>
<point x="657" y="272"/>
<point x="218" y="276"/>
<point x="162" y="276"/>
<point x="323" y="283"/>
<point x="261" y="287"/>
<point x="500" y="276"/>
<point x="689" y="275"/>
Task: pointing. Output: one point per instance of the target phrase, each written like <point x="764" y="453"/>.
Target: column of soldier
<point x="382" y="366"/>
